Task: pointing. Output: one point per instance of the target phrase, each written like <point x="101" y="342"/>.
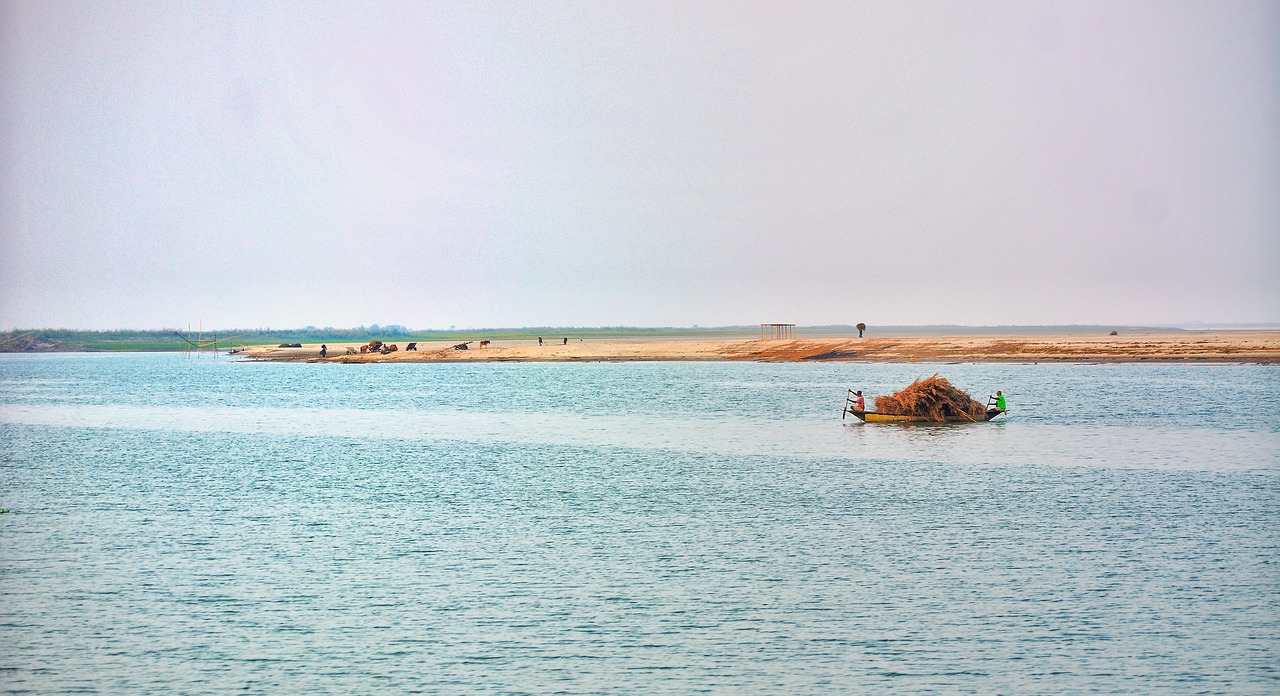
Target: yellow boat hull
<point x="873" y="417"/>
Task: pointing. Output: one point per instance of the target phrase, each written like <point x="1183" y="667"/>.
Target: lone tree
<point x="861" y="327"/>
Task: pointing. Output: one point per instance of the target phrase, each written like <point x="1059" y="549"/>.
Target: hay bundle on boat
<point x="932" y="399"/>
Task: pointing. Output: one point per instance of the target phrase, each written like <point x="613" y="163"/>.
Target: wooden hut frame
<point x="777" y="331"/>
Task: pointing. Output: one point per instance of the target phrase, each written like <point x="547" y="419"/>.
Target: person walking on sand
<point x="539" y="340"/>
<point x="324" y="350"/>
<point x="566" y="340"/>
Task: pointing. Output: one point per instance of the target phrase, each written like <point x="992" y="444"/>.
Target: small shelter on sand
<point x="776" y="331"/>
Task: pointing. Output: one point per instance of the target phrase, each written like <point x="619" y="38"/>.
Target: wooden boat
<point x="851" y="406"/>
<point x="873" y="417"/>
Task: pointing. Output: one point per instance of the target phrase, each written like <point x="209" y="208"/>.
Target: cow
<point x="484" y="344"/>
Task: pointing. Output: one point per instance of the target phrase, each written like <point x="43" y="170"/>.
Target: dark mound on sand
<point x="832" y="355"/>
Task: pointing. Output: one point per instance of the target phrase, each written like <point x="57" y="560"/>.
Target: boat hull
<point x="873" y="417"/>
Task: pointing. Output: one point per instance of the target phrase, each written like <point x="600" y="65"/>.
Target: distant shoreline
<point x="79" y="340"/>
<point x="1235" y="346"/>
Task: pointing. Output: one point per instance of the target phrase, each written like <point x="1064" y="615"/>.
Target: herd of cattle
<point x="384" y="348"/>
<point x="379" y="347"/>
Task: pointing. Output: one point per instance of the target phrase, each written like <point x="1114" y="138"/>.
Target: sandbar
<point x="1261" y="347"/>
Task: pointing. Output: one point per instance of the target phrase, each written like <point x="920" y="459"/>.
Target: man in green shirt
<point x="1000" y="401"/>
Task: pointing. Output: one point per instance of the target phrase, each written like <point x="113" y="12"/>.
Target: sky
<point x="506" y="164"/>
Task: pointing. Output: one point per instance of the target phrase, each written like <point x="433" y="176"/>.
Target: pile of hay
<point x="934" y="399"/>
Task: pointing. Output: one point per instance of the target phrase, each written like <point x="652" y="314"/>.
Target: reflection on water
<point x="211" y="526"/>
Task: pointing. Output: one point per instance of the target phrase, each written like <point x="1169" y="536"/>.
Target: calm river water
<point x="211" y="526"/>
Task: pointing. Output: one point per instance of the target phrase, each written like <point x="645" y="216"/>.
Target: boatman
<point x="858" y="403"/>
<point x="1000" y="401"/>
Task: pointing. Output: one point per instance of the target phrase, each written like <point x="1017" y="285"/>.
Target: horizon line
<point x="693" y="327"/>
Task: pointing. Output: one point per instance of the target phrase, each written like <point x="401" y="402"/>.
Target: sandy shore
<point x="1225" y="346"/>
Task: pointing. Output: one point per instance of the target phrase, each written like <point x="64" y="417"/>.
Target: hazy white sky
<point x="638" y="163"/>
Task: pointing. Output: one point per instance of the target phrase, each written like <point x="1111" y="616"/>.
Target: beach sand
<point x="1220" y="346"/>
